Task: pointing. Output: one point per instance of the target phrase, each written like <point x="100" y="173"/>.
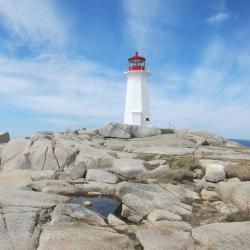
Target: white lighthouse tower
<point x="137" y="104"/>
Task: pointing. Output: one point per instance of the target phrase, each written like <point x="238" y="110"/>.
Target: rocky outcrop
<point x="223" y="236"/>
<point x="101" y="176"/>
<point x="129" y="168"/>
<point x="83" y="236"/>
<point x="236" y="192"/>
<point x="124" y="131"/>
<point x="162" y="235"/>
<point x="4" y="137"/>
<point x="155" y="177"/>
<point x="141" y="199"/>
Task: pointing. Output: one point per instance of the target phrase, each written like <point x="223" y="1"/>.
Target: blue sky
<point x="61" y="63"/>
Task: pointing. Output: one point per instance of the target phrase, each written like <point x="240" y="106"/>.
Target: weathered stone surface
<point x="14" y="148"/>
<point x="101" y="176"/>
<point x="21" y="161"/>
<point x="42" y="156"/>
<point x="215" y="173"/>
<point x="209" y="195"/>
<point x="65" y="153"/>
<point x="236" y="192"/>
<point x="124" y="131"/>
<point x="162" y="235"/>
<point x="94" y="157"/>
<point x="88" y="131"/>
<point x="4" y="137"/>
<point x="180" y="192"/>
<point x="5" y="241"/>
<point x="116" y="130"/>
<point x="117" y="223"/>
<point x="65" y="213"/>
<point x="224" y="208"/>
<point x="205" y="162"/>
<point x="39" y="185"/>
<point x="223" y="236"/>
<point x="99" y="187"/>
<point x="76" y="170"/>
<point x="22" y="229"/>
<point x="20" y="178"/>
<point x="140" y="199"/>
<point x="82" y="236"/>
<point x="16" y="197"/>
<point x="128" y="168"/>
<point x="158" y="214"/>
<point x="139" y="132"/>
<point x="62" y="190"/>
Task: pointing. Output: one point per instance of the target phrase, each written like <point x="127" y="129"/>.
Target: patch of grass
<point x="181" y="168"/>
<point x="242" y="171"/>
<point x="183" y="162"/>
<point x="145" y="157"/>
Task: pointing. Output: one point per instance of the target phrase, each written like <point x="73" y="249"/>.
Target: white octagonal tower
<point x="137" y="103"/>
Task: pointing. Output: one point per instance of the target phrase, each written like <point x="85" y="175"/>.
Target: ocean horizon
<point x="245" y="143"/>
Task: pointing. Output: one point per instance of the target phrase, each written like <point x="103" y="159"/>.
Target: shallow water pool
<point x="100" y="204"/>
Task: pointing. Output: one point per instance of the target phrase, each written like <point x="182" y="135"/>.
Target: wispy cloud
<point x="56" y="86"/>
<point x="140" y="15"/>
<point x="220" y="13"/>
<point x="37" y="23"/>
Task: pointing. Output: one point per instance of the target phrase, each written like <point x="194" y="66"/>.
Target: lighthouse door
<point x="136" y="117"/>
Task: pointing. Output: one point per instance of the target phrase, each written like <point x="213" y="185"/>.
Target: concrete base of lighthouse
<point x="137" y="104"/>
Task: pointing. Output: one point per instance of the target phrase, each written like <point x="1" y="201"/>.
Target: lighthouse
<point x="137" y="103"/>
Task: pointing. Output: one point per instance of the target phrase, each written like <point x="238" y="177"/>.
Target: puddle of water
<point x="100" y="204"/>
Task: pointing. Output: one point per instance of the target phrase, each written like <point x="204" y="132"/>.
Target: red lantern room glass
<point x="136" y="62"/>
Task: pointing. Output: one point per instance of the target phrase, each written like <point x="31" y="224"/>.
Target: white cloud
<point x="219" y="18"/>
<point x="221" y="13"/>
<point x="37" y="23"/>
<point x="140" y="16"/>
<point x="68" y="87"/>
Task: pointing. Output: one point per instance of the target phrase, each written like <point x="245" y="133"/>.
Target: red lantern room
<point x="136" y="62"/>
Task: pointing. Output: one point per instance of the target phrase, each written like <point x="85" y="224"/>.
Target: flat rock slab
<point x="165" y="235"/>
<point x="223" y="236"/>
<point x="128" y="168"/>
<point x="83" y="236"/>
<point x="101" y="176"/>
<point x="23" y="198"/>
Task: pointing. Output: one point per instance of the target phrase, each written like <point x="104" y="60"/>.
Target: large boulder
<point x="82" y="236"/>
<point x="92" y="157"/>
<point x="14" y="148"/>
<point x="128" y="168"/>
<point x="21" y="161"/>
<point x="125" y="131"/>
<point x="4" y="137"/>
<point x="162" y="235"/>
<point x="139" y="132"/>
<point x="42" y="155"/>
<point x="215" y="173"/>
<point x="22" y="229"/>
<point x="223" y="236"/>
<point x="236" y="192"/>
<point x="141" y="199"/>
<point x="116" y="130"/>
<point x="101" y="176"/>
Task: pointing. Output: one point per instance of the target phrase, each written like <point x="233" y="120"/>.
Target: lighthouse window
<point x="147" y="119"/>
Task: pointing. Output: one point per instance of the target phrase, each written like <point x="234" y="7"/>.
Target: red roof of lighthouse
<point x="136" y="57"/>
